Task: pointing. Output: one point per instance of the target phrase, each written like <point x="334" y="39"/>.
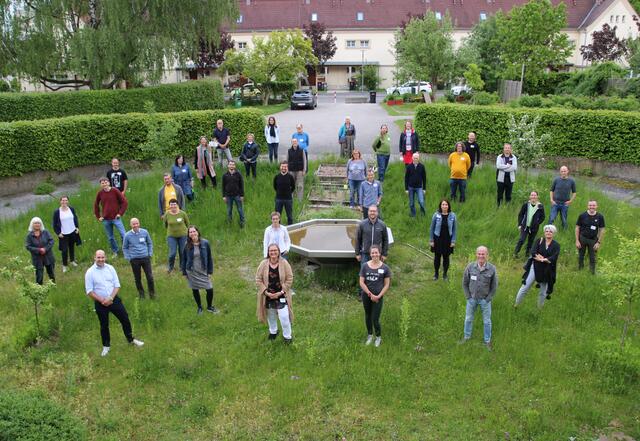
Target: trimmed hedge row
<point x="192" y="95"/>
<point x="595" y="134"/>
<point x="63" y="143"/>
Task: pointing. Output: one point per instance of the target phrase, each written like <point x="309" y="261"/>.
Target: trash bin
<point x="372" y="96"/>
<point x="238" y="102"/>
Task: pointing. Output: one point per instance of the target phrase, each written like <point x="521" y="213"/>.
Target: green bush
<point x="485" y="98"/>
<point x="192" y="95"/>
<point x="63" y="143"/>
<point x="547" y="84"/>
<point x="599" y="134"/>
<point x="31" y="417"/>
<point x="591" y="81"/>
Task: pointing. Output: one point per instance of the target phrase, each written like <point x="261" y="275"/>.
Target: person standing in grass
<point x="371" y="231"/>
<point x="472" y="149"/>
<point x="197" y="266"/>
<point x="375" y="278"/>
<point x="138" y="250"/>
<point x="346" y="138"/>
<point x="222" y="135"/>
<point x="176" y="222"/>
<point x="541" y="267"/>
<point x="103" y="286"/>
<point x="382" y="148"/>
<point x="459" y="164"/>
<point x="369" y="194"/>
<point x="109" y="207"/>
<point x="118" y="177"/>
<point x="249" y="155"/>
<point x="182" y="177"/>
<point x="409" y="143"/>
<point x="589" y="233"/>
<point x="272" y="135"/>
<point x="480" y="282"/>
<point x="233" y="192"/>
<point x="284" y="184"/>
<point x="415" y="184"/>
<point x="562" y="194"/>
<point x="204" y="163"/>
<point x="274" y="278"/>
<point x="39" y="243"/>
<point x="442" y="237"/>
<point x="356" y="171"/>
<point x="530" y="218"/>
<point x="276" y="233"/>
<point x="169" y="192"/>
<point x="303" y="142"/>
<point x="66" y="226"/>
<point x="506" y="166"/>
<point x="297" y="165"/>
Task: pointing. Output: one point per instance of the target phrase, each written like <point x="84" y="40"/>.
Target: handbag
<point x="78" y="240"/>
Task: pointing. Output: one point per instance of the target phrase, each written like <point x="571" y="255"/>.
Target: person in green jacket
<point x="176" y="222"/>
<point x="382" y="147"/>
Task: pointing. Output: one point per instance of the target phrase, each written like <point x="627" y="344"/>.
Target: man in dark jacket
<point x="233" y="191"/>
<point x="371" y="231"/>
<point x="472" y="149"/>
<point x="530" y="218"/>
<point x="415" y="183"/>
<point x="297" y="163"/>
<point x="284" y="184"/>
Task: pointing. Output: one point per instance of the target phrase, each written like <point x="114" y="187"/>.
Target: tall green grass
<point x="217" y="377"/>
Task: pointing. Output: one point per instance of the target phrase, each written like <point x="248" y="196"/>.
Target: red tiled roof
<point x="382" y="14"/>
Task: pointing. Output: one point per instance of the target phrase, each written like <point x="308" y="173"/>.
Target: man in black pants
<point x="589" y="234"/>
<point x="530" y="218"/>
<point x="233" y="191"/>
<point x="472" y="149"/>
<point x="284" y="184"/>
<point x="137" y="248"/>
<point x="506" y="166"/>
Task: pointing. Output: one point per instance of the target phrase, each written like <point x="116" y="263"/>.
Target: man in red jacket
<point x="113" y="205"/>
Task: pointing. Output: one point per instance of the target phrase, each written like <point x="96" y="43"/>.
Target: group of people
<point x="274" y="276"/>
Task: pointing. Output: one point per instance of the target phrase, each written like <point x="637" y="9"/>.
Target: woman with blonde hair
<point x="39" y="243"/>
<point x="356" y="174"/>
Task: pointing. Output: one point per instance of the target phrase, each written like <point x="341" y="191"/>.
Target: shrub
<point x="63" y="143"/>
<point x="547" y="84"/>
<point x="591" y="81"/>
<point x="31" y="417"/>
<point x="192" y="95"/>
<point x="586" y="134"/>
<point x="530" y="101"/>
<point x="485" y="98"/>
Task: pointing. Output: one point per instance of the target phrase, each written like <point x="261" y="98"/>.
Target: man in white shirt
<point x="506" y="166"/>
<point x="102" y="285"/>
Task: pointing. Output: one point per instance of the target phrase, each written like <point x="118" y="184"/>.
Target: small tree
<point x="622" y="274"/>
<point x="473" y="77"/>
<point x="605" y="46"/>
<point x="323" y="44"/>
<point x="371" y="78"/>
<point x="211" y="53"/>
<point x="162" y="133"/>
<point x="527" y="145"/>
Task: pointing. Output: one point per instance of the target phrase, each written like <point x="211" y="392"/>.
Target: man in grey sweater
<point x="371" y="231"/>
<point x="479" y="282"/>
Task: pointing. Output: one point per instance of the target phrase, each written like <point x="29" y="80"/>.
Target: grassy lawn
<point x="217" y="377"/>
<point x="266" y="110"/>
<point x="407" y="109"/>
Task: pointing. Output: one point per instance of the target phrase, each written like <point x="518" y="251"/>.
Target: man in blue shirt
<point x="303" y="143"/>
<point x="102" y="285"/>
<point x="370" y="194"/>
<point x="138" y="249"/>
<point x="222" y="135"/>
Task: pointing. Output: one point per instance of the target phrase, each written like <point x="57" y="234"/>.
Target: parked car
<point x="249" y="90"/>
<point x="410" y="87"/>
<point x="460" y="88"/>
<point x="304" y="98"/>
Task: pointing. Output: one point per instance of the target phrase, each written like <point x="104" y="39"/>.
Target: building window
<point x="438" y="16"/>
<point x="242" y="45"/>
<point x="239" y="20"/>
<point x="314" y="17"/>
<point x="623" y="18"/>
<point x="351" y="44"/>
<point x="360" y="16"/>
<point x="617" y="18"/>
<point x="364" y="44"/>
<point x="611" y="19"/>
<point x="483" y="16"/>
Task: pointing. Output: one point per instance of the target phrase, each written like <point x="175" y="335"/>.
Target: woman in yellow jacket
<point x="459" y="164"/>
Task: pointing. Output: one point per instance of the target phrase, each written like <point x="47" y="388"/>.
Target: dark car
<point x="304" y="98"/>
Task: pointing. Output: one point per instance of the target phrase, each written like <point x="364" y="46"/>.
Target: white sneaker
<point x="369" y="340"/>
<point x="378" y="341"/>
<point x="74" y="263"/>
<point x="105" y="351"/>
<point x="65" y="269"/>
<point x="138" y="343"/>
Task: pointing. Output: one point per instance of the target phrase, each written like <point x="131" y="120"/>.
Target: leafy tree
<point x="424" y="48"/>
<point x="282" y="57"/>
<point x="482" y="47"/>
<point x="622" y="274"/>
<point x="323" y="44"/>
<point x="527" y="145"/>
<point x="102" y="42"/>
<point x="605" y="46"/>
<point x="532" y="35"/>
<point x="371" y="79"/>
<point x="162" y="134"/>
<point x="591" y="81"/>
<point x="473" y="77"/>
<point x="633" y="46"/>
<point x="211" y="52"/>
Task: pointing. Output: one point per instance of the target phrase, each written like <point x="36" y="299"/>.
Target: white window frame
<point x="364" y="44"/>
<point x="483" y="16"/>
<point x="240" y="19"/>
<point x="242" y="45"/>
<point x="438" y="15"/>
<point x="350" y="46"/>
<point x="359" y="16"/>
<point x="314" y="16"/>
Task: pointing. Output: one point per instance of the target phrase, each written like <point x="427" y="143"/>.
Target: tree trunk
<point x="35" y="306"/>
<point x="628" y="318"/>
<point x="265" y="97"/>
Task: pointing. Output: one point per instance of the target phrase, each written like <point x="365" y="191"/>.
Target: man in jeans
<point x="297" y="163"/>
<point x="109" y="206"/>
<point x="415" y="184"/>
<point x="589" y="234"/>
<point x="223" y="137"/>
<point x="284" y="184"/>
<point x="233" y="191"/>
<point x="562" y="194"/>
<point x="479" y="282"/>
<point x="371" y="231"/>
<point x="137" y="247"/>
<point x="369" y="194"/>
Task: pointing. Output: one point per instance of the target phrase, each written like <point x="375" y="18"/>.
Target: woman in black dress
<point x="442" y="240"/>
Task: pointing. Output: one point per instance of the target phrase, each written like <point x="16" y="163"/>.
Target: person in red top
<point x="109" y="207"/>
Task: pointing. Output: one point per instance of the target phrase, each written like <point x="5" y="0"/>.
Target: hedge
<point x="63" y="143"/>
<point x="595" y="134"/>
<point x="192" y="95"/>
